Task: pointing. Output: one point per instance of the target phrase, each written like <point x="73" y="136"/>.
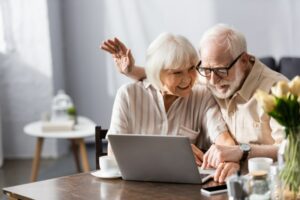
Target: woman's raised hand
<point x="122" y="56"/>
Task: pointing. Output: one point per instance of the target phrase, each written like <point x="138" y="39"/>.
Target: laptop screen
<point x="155" y="158"/>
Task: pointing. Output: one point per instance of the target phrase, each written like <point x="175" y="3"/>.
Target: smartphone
<point x="211" y="190"/>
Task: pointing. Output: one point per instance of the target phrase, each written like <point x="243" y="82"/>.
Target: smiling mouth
<point x="222" y="87"/>
<point x="183" y="88"/>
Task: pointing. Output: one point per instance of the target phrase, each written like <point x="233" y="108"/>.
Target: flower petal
<point x="265" y="100"/>
<point x="281" y="89"/>
<point x="294" y="86"/>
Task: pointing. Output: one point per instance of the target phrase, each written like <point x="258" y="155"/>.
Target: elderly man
<point x="233" y="76"/>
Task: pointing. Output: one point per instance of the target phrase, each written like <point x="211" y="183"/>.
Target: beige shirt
<point x="139" y="109"/>
<point x="245" y="119"/>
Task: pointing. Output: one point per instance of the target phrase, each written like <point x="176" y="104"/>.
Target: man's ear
<point x="245" y="58"/>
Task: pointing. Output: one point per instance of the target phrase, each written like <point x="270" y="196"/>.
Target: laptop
<point x="157" y="158"/>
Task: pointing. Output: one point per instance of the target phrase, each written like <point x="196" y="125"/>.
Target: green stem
<point x="291" y="170"/>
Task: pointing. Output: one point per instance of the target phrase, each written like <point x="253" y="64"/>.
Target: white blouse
<point x="139" y="109"/>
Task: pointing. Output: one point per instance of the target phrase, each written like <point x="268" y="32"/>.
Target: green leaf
<point x="286" y="111"/>
<point x="72" y="111"/>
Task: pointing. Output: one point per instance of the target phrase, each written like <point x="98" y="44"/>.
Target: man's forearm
<point x="264" y="151"/>
<point x="225" y="139"/>
<point x="137" y="73"/>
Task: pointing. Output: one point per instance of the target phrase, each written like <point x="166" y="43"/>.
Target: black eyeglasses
<point x="219" y="71"/>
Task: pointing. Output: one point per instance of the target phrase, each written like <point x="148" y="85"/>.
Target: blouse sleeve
<point x="120" y="113"/>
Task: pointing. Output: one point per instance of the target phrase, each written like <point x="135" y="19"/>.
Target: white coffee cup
<point x="259" y="163"/>
<point x="108" y="165"/>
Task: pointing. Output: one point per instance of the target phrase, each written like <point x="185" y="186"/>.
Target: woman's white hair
<point x="168" y="51"/>
<point x="226" y="37"/>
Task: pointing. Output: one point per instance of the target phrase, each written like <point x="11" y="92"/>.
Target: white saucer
<point x="101" y="174"/>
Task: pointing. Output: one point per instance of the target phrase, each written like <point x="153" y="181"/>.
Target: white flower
<point x="294" y="86"/>
<point x="265" y="100"/>
<point x="281" y="89"/>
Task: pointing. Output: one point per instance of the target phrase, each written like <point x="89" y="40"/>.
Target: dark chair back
<point x="289" y="66"/>
<point x="270" y="62"/>
<point x="99" y="139"/>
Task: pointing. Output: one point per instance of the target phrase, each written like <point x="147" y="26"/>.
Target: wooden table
<point x="86" y="186"/>
<point x="84" y="128"/>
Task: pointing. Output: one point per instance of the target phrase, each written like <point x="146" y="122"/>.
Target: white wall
<point x="25" y="75"/>
<point x="25" y="94"/>
<point x="1" y="147"/>
<point x="273" y="29"/>
<point x="85" y="76"/>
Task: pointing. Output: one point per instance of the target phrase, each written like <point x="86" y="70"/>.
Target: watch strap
<point x="245" y="152"/>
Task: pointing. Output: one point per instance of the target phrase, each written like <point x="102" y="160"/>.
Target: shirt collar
<point x="146" y="83"/>
<point x="250" y="84"/>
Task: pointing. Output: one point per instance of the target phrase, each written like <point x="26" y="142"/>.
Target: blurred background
<point x="47" y="45"/>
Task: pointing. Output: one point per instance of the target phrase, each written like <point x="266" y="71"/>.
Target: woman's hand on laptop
<point x="225" y="170"/>
<point x="217" y="154"/>
<point x="198" y="154"/>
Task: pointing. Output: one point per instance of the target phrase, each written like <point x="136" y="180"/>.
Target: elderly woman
<point x="168" y="102"/>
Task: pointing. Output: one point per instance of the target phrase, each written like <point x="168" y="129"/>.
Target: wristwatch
<point x="246" y="148"/>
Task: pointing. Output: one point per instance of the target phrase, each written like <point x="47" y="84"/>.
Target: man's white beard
<point x="233" y="86"/>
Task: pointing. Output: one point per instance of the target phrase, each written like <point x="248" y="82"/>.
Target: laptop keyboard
<point x="204" y="175"/>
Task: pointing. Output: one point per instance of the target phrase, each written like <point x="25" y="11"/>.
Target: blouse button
<point x="255" y="124"/>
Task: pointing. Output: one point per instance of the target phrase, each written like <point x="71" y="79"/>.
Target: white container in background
<point x="60" y="105"/>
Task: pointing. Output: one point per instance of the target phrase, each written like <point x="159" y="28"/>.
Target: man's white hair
<point x="168" y="51"/>
<point x="226" y="37"/>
